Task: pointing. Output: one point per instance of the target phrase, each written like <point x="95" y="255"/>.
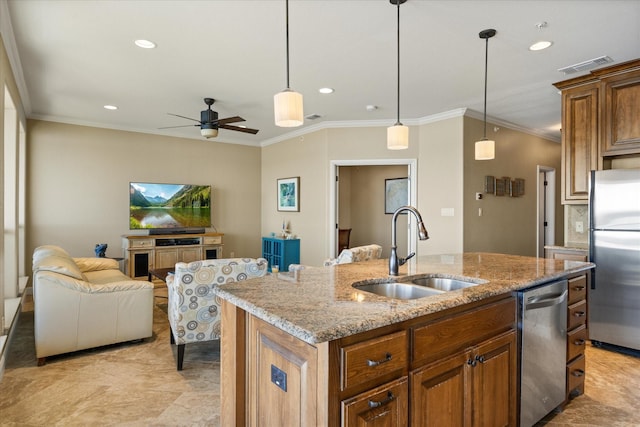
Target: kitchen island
<point x="314" y="350"/>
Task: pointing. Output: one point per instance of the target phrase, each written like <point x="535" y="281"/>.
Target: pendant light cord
<point x="486" y="61"/>
<point x="398" y="50"/>
<point x="287" y="36"/>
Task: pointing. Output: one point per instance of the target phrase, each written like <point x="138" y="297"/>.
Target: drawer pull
<point x="578" y="342"/>
<point x="374" y="404"/>
<point x="577" y="373"/>
<point x="579" y="288"/>
<point x="387" y="358"/>
<point x="480" y="359"/>
<point x="579" y="313"/>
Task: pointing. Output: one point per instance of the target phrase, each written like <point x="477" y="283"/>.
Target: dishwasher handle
<point x="546" y="300"/>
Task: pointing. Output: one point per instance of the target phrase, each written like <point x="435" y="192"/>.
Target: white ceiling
<point x="77" y="56"/>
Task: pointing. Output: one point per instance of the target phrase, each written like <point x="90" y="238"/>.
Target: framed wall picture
<point x="396" y="194"/>
<point x="289" y="194"/>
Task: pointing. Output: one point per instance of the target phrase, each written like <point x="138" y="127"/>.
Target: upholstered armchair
<point x="194" y="308"/>
<point x="356" y="254"/>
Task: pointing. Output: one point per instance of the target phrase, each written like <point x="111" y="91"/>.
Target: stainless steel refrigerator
<point x="614" y="246"/>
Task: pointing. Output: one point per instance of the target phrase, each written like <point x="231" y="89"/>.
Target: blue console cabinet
<point x="281" y="252"/>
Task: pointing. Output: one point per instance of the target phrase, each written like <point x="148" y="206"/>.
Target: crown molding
<point x="9" y="40"/>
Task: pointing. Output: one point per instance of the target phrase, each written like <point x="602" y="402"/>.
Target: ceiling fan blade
<point x="181" y="126"/>
<point x="239" y="129"/>
<point x="234" y="119"/>
<point x="188" y="118"/>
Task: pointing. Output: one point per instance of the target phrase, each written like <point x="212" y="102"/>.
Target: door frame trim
<point x="412" y="174"/>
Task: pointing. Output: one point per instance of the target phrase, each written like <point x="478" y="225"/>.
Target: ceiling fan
<point x="209" y="122"/>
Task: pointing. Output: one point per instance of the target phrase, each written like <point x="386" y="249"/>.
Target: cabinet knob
<point x="480" y="359"/>
<point x="374" y="404"/>
<point x="579" y="313"/>
<point x="578" y="342"/>
<point x="472" y="362"/>
<point x="579" y="288"/>
<point x="386" y="359"/>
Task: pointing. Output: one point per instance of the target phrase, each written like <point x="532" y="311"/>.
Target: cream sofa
<point x="81" y="303"/>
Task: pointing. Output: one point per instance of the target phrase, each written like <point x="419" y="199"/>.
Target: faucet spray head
<point x="422" y="231"/>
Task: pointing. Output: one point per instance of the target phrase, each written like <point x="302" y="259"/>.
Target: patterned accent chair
<point x="194" y="308"/>
<point x="357" y="254"/>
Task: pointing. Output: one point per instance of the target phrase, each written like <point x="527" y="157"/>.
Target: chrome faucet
<point x="394" y="261"/>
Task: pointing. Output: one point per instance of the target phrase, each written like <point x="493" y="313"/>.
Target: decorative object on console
<point x="289" y="195"/>
<point x="170" y="207"/>
<point x="101" y="250"/>
<point x="396" y="194"/>
<point x="485" y="148"/>
<point x="193" y="310"/>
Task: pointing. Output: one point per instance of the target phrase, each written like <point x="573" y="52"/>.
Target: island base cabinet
<point x="476" y="387"/>
<point x="386" y="405"/>
<point x="285" y="379"/>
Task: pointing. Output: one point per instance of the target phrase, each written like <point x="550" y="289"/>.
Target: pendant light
<point x="398" y="134"/>
<point x="485" y="148"/>
<point x="287" y="105"/>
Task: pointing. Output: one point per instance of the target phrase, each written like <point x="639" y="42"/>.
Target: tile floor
<point x="138" y="385"/>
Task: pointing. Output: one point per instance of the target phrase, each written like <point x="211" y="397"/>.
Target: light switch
<point x="446" y="212"/>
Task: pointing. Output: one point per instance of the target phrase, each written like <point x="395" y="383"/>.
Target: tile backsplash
<point x="576" y="226"/>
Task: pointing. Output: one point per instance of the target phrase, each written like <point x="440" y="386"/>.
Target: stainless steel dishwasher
<point x="542" y="331"/>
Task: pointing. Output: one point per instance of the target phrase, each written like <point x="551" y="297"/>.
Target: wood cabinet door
<point x="440" y="393"/>
<point x="387" y="406"/>
<point x="495" y="382"/>
<point x="579" y="141"/>
<point x="189" y="254"/>
<point x="166" y="258"/>
<point x="621" y="133"/>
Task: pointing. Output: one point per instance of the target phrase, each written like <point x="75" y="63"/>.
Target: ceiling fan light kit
<point x="287" y="105"/>
<point x="485" y="149"/>
<point x="398" y="134"/>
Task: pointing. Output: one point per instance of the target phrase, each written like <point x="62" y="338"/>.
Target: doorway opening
<point x="546" y="208"/>
<point x="379" y="227"/>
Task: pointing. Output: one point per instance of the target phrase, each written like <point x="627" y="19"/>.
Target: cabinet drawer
<point x="386" y="405"/>
<point x="575" y="375"/>
<point x="367" y="360"/>
<point x="442" y="337"/>
<point x="212" y="240"/>
<point x="577" y="289"/>
<point x="577" y="315"/>
<point x="141" y="243"/>
<point x="576" y="340"/>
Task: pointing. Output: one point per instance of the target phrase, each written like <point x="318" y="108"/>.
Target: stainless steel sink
<point x="398" y="290"/>
<point x="441" y="283"/>
<point x="413" y="287"/>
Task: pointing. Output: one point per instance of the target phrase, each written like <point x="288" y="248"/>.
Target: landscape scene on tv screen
<point x="169" y="206"/>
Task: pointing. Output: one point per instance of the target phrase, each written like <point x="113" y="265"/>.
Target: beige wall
<point x="367" y="219"/>
<point x="436" y="146"/>
<point x="508" y="224"/>
<point x="79" y="179"/>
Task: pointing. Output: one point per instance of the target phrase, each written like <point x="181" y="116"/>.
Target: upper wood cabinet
<point x="599" y="120"/>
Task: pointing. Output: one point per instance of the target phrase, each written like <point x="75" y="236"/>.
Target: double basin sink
<point x="413" y="287"/>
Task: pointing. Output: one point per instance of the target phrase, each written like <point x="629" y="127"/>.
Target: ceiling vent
<point x="586" y="65"/>
<point x="312" y="116"/>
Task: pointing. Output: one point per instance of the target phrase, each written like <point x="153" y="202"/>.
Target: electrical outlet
<point x="478" y="196"/>
<point x="279" y="377"/>
<point x="579" y="227"/>
<point x="232" y="254"/>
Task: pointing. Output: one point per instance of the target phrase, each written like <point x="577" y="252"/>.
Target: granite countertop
<point x="321" y="305"/>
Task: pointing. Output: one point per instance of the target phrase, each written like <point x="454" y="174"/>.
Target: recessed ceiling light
<point x="145" y="44"/>
<point x="540" y="45"/>
<point x="325" y="90"/>
<point x="110" y="107"/>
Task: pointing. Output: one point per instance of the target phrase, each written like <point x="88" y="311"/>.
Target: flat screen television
<point x="169" y="207"/>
